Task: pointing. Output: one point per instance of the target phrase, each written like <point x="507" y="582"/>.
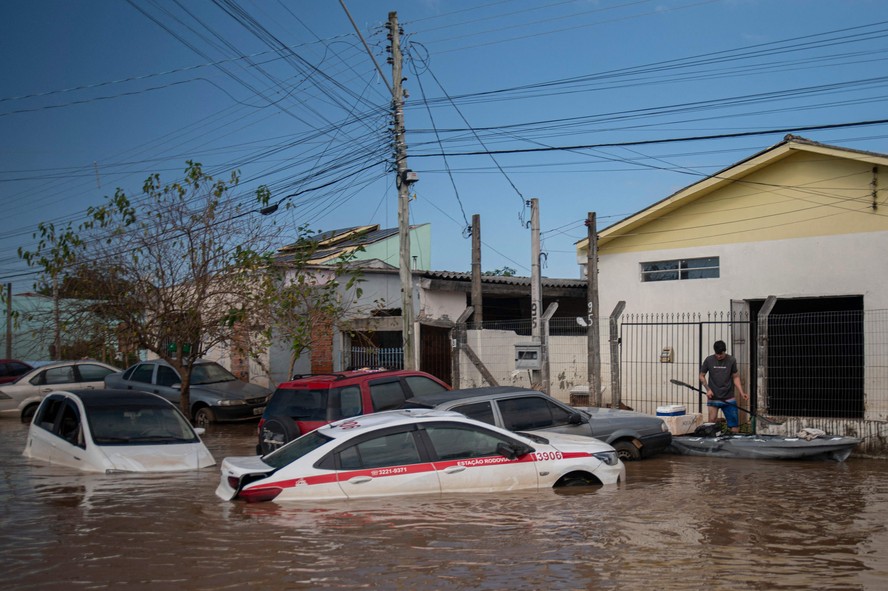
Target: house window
<point x="680" y="269"/>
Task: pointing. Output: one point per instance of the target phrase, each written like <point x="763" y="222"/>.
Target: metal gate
<point x="655" y="348"/>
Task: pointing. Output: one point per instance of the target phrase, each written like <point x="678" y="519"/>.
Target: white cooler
<point x="683" y="424"/>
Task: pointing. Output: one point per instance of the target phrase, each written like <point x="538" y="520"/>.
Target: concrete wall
<point x="446" y="305"/>
<point x="496" y="349"/>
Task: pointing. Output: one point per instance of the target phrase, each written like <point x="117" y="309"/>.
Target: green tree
<point x="504" y="272"/>
<point x="57" y="249"/>
<point x="303" y="300"/>
<point x="178" y="272"/>
<point x="190" y="266"/>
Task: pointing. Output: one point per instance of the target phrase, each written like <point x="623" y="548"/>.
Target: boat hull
<point x="773" y="447"/>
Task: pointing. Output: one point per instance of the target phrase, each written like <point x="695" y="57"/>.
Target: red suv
<point x="12" y="369"/>
<point x="312" y="401"/>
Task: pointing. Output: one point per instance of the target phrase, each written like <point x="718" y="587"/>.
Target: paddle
<point x="764" y="420"/>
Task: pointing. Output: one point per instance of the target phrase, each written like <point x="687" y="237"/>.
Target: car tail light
<point x="262" y="422"/>
<point x="234" y="482"/>
<point x="259" y="495"/>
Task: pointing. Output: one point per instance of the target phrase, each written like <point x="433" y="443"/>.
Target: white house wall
<point x="850" y="264"/>
<point x="442" y="305"/>
<point x="379" y="290"/>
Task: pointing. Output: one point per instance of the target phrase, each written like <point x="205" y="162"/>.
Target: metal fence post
<point x="616" y="383"/>
<point x="544" y="346"/>
<point x="762" y="373"/>
<point x="457" y="339"/>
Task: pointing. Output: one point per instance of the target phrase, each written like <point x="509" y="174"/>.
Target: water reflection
<point x="677" y="523"/>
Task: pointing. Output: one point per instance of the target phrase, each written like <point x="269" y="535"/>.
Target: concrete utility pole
<point x="593" y="346"/>
<point x="9" y="320"/>
<point x="478" y="315"/>
<point x="536" y="282"/>
<point x="541" y="375"/>
<point x="56" y="319"/>
<point x="403" y="181"/>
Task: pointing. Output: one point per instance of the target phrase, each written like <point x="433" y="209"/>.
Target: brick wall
<point x="322" y="347"/>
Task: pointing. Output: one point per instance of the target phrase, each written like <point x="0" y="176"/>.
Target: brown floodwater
<point x="677" y="523"/>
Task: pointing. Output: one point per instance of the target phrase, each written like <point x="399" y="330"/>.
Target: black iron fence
<point x="817" y="363"/>
<point x="830" y="365"/>
<point x="657" y="348"/>
<point x="375" y="357"/>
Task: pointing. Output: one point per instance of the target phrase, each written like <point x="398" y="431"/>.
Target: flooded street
<point x="678" y="523"/>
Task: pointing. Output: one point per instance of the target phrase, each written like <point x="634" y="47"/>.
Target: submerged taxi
<point x="416" y="451"/>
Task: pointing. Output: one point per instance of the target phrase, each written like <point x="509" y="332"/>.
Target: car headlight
<point x="231" y="402"/>
<point x="608" y="457"/>
<point x="663" y="426"/>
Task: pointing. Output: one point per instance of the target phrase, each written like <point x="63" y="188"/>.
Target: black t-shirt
<point x="721" y="376"/>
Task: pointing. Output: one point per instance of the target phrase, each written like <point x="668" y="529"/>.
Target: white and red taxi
<point x="416" y="451"/>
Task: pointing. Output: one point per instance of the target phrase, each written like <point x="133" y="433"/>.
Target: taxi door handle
<point x="359" y="480"/>
<point x="453" y="469"/>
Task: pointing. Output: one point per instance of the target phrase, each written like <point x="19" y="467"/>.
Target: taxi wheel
<point x="627" y="451"/>
<point x="276" y="431"/>
<point x="203" y="417"/>
<point x="575" y="480"/>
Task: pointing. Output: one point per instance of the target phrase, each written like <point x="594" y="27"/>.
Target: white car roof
<point x="389" y="418"/>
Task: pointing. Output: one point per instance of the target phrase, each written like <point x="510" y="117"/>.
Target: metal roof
<point x="503" y="280"/>
<point x="333" y="243"/>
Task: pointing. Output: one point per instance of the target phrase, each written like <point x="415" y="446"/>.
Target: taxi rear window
<point x="294" y="450"/>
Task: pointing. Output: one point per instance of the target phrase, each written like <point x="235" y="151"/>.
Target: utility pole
<point x="9" y="320"/>
<point x="56" y="318"/>
<point x="536" y="296"/>
<point x="405" y="178"/>
<point x="593" y="334"/>
<point x="536" y="282"/>
<point x="478" y="315"/>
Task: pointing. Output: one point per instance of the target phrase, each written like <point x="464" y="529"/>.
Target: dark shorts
<point x="729" y="408"/>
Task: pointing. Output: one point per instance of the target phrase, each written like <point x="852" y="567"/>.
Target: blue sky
<point x="564" y="101"/>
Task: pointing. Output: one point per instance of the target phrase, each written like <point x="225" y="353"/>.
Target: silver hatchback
<point x="22" y="397"/>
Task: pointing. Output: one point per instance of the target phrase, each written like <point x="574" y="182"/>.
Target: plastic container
<point x="671" y="410"/>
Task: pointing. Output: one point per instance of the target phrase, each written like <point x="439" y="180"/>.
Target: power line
<point x="660" y="141"/>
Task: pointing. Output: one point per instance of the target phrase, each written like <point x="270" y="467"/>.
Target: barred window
<point x="680" y="269"/>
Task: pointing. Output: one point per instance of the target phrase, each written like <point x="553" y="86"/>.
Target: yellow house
<point x="800" y="219"/>
<point x="802" y="223"/>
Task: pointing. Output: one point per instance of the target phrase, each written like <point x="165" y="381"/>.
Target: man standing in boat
<point x="723" y="379"/>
